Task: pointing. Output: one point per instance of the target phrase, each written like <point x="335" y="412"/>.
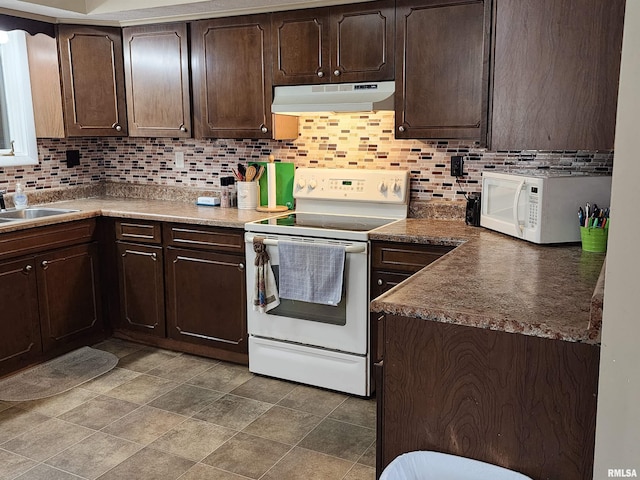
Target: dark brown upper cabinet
<point x="92" y="72"/>
<point x="555" y="74"/>
<point x="156" y="61"/>
<point x="351" y="43"/>
<point x="231" y="77"/>
<point x="442" y="51"/>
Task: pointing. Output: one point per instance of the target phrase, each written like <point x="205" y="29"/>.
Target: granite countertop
<point x="497" y="282"/>
<point x="489" y="281"/>
<point x="159" y="210"/>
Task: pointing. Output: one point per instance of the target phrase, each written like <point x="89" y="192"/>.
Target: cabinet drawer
<point x="38" y="239"/>
<point x="208" y="238"/>
<point x="406" y="257"/>
<point x="138" y="231"/>
<point x="382" y="281"/>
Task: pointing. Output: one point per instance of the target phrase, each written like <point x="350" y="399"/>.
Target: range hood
<point x="335" y="97"/>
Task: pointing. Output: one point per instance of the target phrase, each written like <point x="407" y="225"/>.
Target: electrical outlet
<point x="73" y="158"/>
<point x="179" y="159"/>
<point x="457" y="166"/>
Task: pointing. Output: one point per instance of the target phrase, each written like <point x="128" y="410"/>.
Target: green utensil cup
<point x="594" y="239"/>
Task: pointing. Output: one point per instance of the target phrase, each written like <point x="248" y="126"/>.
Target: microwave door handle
<point x="516" y="201"/>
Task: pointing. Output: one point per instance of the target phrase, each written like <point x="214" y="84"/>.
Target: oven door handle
<point x="347" y="249"/>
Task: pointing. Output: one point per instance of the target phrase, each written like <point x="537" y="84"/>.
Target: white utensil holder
<point x="248" y="195"/>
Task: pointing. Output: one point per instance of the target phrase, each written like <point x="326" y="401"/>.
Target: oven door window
<point x="315" y="312"/>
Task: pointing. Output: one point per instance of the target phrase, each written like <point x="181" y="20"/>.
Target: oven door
<point x="341" y="328"/>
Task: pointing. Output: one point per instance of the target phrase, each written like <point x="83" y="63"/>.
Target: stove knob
<point x="312" y="184"/>
<point x="301" y="183"/>
<point x="382" y="187"/>
<point x="396" y="187"/>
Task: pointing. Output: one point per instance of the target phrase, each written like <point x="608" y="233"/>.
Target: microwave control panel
<point x="533" y="198"/>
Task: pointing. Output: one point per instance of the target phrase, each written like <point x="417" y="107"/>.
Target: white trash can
<point x="424" y="465"/>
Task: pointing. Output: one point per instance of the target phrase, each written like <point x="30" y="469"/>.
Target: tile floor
<point x="162" y="415"/>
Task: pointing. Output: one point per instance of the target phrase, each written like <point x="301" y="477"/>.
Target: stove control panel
<point x="380" y="186"/>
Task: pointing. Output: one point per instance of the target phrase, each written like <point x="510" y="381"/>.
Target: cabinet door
<point x="157" y="80"/>
<point x="206" y="299"/>
<point x="92" y="81"/>
<point x="300" y="42"/>
<point x="555" y="74"/>
<point x="442" y="49"/>
<point x="69" y="294"/>
<point x="45" y="86"/>
<point x="141" y="282"/>
<point x="20" y="328"/>
<point x="362" y="42"/>
<point x="231" y="78"/>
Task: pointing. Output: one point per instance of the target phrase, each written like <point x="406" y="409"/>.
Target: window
<point x="18" y="144"/>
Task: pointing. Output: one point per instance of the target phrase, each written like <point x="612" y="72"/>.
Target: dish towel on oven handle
<point x="265" y="295"/>
<point x="311" y="272"/>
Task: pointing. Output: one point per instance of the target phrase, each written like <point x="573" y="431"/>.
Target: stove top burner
<point x="349" y="223"/>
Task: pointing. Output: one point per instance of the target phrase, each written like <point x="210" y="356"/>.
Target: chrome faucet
<point x="3" y="207"/>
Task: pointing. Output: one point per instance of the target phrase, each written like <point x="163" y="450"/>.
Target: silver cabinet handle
<point x="117" y="127"/>
<point x="401" y="128"/>
<point x="44" y="264"/>
<point x="336" y="73"/>
<point x="380" y="282"/>
<point x="27" y="269"/>
<point x="264" y="129"/>
<point x="320" y="74"/>
<point x="154" y="255"/>
<point x="183" y="128"/>
<point x="241" y="266"/>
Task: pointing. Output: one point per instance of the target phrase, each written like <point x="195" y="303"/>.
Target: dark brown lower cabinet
<point x="181" y="287"/>
<point x="206" y="300"/>
<point x="392" y="263"/>
<point x="69" y="294"/>
<point x="141" y="284"/>
<point x="49" y="292"/>
<point x="20" y="329"/>
<point x="525" y="403"/>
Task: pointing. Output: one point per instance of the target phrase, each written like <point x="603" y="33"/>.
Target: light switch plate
<point x="179" y="159"/>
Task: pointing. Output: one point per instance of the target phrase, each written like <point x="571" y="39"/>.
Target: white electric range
<point x="312" y="343"/>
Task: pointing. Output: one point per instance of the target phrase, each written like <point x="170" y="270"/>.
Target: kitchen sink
<point x="11" y="214"/>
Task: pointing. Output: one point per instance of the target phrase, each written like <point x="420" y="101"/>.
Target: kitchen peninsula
<point x="491" y="352"/>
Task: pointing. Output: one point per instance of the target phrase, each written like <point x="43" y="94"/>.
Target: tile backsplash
<point x="342" y="141"/>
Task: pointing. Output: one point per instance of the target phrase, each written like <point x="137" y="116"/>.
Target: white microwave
<point x="540" y="206"/>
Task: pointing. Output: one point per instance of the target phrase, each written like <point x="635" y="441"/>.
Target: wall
<point x="618" y="420"/>
<point x="344" y="140"/>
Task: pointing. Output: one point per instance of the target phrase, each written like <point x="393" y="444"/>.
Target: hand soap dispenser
<point x="20" y="198"/>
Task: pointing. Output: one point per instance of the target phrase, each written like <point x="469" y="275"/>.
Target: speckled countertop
<point x="489" y="281"/>
<point x="159" y="210"/>
<point x="494" y="281"/>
